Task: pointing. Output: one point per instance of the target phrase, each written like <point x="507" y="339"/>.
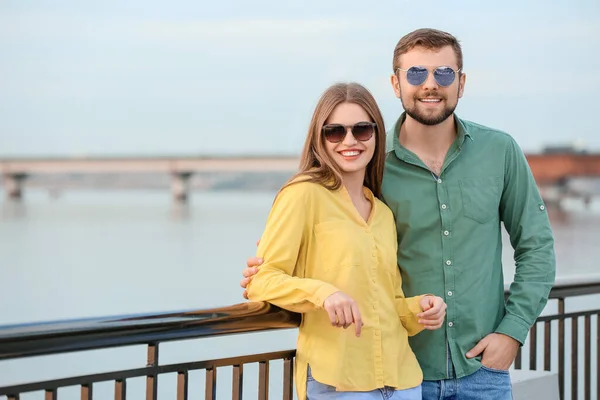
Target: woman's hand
<point x="343" y="311"/>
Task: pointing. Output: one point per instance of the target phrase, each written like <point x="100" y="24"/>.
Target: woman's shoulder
<point x="303" y="186"/>
<point x="301" y="189"/>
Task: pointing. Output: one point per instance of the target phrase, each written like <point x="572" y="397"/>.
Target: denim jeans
<point x="319" y="391"/>
<point x="485" y="384"/>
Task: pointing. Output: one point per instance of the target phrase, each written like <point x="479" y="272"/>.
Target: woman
<point x="330" y="253"/>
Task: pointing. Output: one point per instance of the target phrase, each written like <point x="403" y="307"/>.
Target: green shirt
<point x="450" y="243"/>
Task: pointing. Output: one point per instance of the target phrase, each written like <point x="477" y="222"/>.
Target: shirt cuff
<point x="322" y="293"/>
<point x="415" y="306"/>
<point x="414" y="303"/>
<point x="514" y="327"/>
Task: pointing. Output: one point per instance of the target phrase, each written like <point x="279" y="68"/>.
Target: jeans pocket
<point x="494" y="370"/>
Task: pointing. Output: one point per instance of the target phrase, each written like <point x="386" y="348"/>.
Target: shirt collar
<point x="393" y="144"/>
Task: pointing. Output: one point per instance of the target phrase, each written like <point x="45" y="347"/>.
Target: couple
<point x="399" y="242"/>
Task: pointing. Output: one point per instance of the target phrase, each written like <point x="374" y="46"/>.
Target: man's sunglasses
<point x="362" y="131"/>
<point x="417" y="75"/>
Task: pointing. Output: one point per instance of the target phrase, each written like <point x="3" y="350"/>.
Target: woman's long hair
<point x="315" y="164"/>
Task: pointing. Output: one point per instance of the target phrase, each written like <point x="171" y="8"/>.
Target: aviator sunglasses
<point x="361" y="131"/>
<point x="417" y="75"/>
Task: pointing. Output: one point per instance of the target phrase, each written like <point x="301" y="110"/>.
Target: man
<point x="450" y="184"/>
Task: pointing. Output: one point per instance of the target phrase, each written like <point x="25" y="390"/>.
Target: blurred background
<point x="142" y="142"/>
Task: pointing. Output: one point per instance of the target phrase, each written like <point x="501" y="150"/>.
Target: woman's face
<point x="352" y="152"/>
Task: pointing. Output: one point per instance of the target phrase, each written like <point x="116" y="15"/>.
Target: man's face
<point x="429" y="103"/>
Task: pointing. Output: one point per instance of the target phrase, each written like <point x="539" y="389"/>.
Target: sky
<point x="189" y="77"/>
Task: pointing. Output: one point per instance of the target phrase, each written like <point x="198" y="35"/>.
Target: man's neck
<point x="425" y="140"/>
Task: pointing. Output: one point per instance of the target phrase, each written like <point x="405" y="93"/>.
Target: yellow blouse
<point x="316" y="243"/>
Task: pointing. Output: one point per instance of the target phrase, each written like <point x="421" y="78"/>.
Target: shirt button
<point x="439" y="181"/>
<point x="374" y="307"/>
<point x="449" y="293"/>
<point x="448" y="262"/>
<point x="450" y="324"/>
<point x="542" y="208"/>
<point x="446" y="233"/>
<point x="444" y="206"/>
<point x="377" y="333"/>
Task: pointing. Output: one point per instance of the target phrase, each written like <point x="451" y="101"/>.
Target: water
<point x="106" y="253"/>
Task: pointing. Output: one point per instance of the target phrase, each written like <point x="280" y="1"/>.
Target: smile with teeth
<point x="350" y="153"/>
<point x="429" y="100"/>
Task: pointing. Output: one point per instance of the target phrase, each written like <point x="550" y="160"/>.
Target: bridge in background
<point x="15" y="171"/>
<point x="551" y="170"/>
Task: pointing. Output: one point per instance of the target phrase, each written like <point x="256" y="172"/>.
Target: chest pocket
<point x="481" y="197"/>
<point x="339" y="246"/>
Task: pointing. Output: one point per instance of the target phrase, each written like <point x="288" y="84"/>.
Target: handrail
<point x="25" y="340"/>
<point x="575" y="285"/>
<point x="53" y="337"/>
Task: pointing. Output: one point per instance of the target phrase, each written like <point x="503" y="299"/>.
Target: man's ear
<point x="461" y="84"/>
<point x="395" y="84"/>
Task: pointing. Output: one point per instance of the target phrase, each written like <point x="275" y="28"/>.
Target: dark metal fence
<point x="151" y="329"/>
<point x="546" y="348"/>
<point x="547" y="345"/>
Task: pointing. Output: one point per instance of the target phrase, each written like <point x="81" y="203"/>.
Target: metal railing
<point x="49" y="338"/>
<point x="18" y="341"/>
<point x="547" y="340"/>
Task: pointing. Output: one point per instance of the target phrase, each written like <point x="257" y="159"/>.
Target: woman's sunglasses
<point x="417" y="75"/>
<point x="361" y="131"/>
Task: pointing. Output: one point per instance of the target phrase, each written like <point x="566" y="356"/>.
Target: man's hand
<point x="434" y="312"/>
<point x="251" y="270"/>
<point x="343" y="311"/>
<point x="499" y="351"/>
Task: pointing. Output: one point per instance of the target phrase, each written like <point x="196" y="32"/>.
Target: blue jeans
<point x="319" y="391"/>
<point x="485" y="384"/>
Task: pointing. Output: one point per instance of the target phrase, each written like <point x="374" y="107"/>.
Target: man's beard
<point x="428" y="120"/>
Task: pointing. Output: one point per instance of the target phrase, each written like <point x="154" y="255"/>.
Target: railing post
<point x="152" y="378"/>
<point x="120" y="389"/>
<point x="86" y="392"/>
<point x="518" y="358"/>
<point x="263" y="380"/>
<point x="561" y="348"/>
<point x="533" y="347"/>
<point x="587" y="353"/>
<point x="547" y="345"/>
<point x="210" y="392"/>
<point x="288" y="379"/>
<point x="237" y="382"/>
<point x="182" y="385"/>
<point x="598" y="356"/>
<point x="574" y="357"/>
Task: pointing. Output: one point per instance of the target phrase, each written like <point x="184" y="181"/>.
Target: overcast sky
<point x="195" y="77"/>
